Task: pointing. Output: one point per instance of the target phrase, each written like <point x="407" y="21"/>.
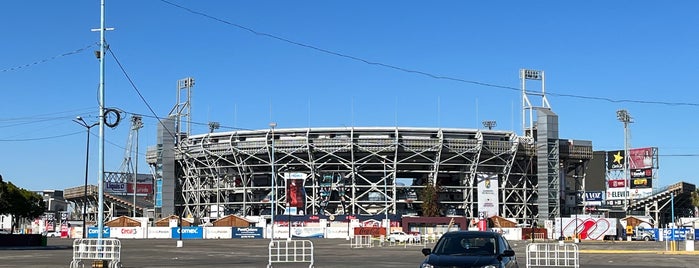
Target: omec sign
<point x="188" y="232"/>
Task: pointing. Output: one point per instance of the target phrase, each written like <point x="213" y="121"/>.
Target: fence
<point x="553" y="255"/>
<point x="96" y="250"/>
<point x="290" y="251"/>
<point x="361" y="241"/>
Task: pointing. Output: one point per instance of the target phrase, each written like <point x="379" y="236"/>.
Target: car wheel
<point x="646" y="238"/>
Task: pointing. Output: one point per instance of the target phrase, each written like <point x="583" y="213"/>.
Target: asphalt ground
<point x="328" y="253"/>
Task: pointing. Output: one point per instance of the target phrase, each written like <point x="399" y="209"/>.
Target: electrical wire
<point x="423" y="73"/>
<point x="47" y="59"/>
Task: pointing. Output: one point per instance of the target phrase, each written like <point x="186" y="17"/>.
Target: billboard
<point x="488" y="199"/>
<point x="641" y="183"/>
<point x="615" y="159"/>
<point x="593" y="198"/>
<point x="616" y="183"/>
<point x="295" y="190"/>
<point x="641" y="158"/>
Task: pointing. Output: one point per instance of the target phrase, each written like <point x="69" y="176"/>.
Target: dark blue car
<point x="462" y="249"/>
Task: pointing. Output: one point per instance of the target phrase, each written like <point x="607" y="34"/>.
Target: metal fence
<point x="290" y="251"/>
<point x="553" y="255"/>
<point x="96" y="250"/>
<point x="361" y="241"/>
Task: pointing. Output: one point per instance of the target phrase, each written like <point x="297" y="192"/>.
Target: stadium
<point x="366" y="170"/>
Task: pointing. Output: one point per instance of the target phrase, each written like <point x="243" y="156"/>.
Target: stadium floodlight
<point x="273" y="125"/>
<point x="87" y="126"/>
<point x="490" y="124"/>
<point x="624" y="116"/>
<point x="213" y="126"/>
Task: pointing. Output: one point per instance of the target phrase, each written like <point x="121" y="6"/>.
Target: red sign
<point x="141" y="188"/>
<point x="372" y="231"/>
<point x="616" y="183"/>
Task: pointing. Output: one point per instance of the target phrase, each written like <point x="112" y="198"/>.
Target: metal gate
<point x="290" y="251"/>
<point x="553" y="255"/>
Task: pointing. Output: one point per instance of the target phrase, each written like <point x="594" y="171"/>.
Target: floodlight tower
<point x="490" y="124"/>
<point x="624" y="116"/>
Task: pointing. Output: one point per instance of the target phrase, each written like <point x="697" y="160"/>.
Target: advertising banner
<point x="248" y="232"/>
<point x="128" y="232"/>
<point x="641" y="173"/>
<point x="488" y="199"/>
<point x="593" y="198"/>
<point x="160" y="232"/>
<point x="336" y="232"/>
<point x="616" y="183"/>
<point x="114" y="187"/>
<point x="641" y="183"/>
<point x="218" y="232"/>
<point x="587" y="228"/>
<point x="295" y="190"/>
<point x="615" y="159"/>
<point x="188" y="233"/>
<point x="641" y="158"/>
<point x="93" y="231"/>
<point x="308" y="232"/>
<point x="621" y="193"/>
<point x="509" y="233"/>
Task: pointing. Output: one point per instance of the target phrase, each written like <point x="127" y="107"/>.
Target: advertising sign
<point x="188" y="233"/>
<point x="615" y="159"/>
<point x="308" y="232"/>
<point x="641" y="158"/>
<point x="248" y="232"/>
<point x="488" y="199"/>
<point x="616" y="183"/>
<point x="115" y="187"/>
<point x="593" y="198"/>
<point x="160" y="232"/>
<point x="641" y="173"/>
<point x="128" y="232"/>
<point x="93" y="231"/>
<point x="621" y="193"/>
<point x="218" y="232"/>
<point x="641" y="183"/>
<point x="295" y="190"/>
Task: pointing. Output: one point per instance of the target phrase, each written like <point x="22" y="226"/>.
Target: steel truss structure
<point x="360" y="170"/>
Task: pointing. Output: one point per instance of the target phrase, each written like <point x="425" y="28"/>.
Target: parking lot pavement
<point x="327" y="253"/>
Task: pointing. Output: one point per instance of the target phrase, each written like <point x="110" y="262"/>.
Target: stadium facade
<point x="370" y="171"/>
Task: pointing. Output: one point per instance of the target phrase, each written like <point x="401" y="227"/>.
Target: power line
<point x="47" y="59"/>
<point x="423" y="73"/>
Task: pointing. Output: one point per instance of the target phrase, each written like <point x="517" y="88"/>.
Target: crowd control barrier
<point x="96" y="250"/>
<point x="553" y="255"/>
<point x="290" y="251"/>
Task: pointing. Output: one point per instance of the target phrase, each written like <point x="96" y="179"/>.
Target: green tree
<point x="4" y="203"/>
<point x="22" y="204"/>
<point x="695" y="202"/>
<point x="429" y="197"/>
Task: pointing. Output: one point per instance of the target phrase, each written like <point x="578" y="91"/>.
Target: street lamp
<point x="87" y="126"/>
<point x="272" y="125"/>
<point x="624" y="116"/>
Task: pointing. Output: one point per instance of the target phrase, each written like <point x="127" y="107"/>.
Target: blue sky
<point x="304" y="63"/>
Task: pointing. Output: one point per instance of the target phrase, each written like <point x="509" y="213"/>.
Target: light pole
<point x="136" y="124"/>
<point x="385" y="199"/>
<point x="288" y="213"/>
<point x="87" y="126"/>
<point x="624" y="116"/>
<point x="272" y="125"/>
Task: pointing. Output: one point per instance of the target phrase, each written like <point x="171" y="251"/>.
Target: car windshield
<point x="466" y="245"/>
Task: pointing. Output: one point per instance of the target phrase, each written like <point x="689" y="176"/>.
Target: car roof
<point x="472" y="233"/>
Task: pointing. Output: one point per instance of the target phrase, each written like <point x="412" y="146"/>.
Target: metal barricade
<point x="290" y="251"/>
<point x="553" y="255"/>
<point x="96" y="250"/>
<point x="361" y="241"/>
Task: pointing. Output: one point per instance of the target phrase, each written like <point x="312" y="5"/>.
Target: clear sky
<point x="343" y="63"/>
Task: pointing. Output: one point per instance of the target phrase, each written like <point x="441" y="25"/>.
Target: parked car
<point x="53" y="234"/>
<point x="402" y="237"/>
<point x="470" y="249"/>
